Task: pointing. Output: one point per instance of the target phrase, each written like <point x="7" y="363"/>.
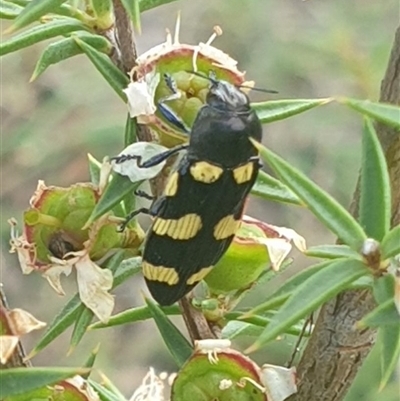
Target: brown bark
<point x="336" y="349"/>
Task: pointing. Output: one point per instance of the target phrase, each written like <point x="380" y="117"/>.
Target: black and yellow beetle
<point x="200" y="210"/>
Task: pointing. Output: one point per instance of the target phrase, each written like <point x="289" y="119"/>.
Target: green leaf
<point x="80" y="328"/>
<point x="389" y="341"/>
<point x="40" y="32"/>
<point x="20" y="380"/>
<point x="385" y="314"/>
<point x="149" y="4"/>
<point x="130" y="130"/>
<point x="133" y="315"/>
<point x="279" y="296"/>
<point x="112" y="74"/>
<point x="33" y="11"/>
<point x="253" y="326"/>
<point x="115" y="192"/>
<point x="60" y="323"/>
<point x="94" y="169"/>
<point x="375" y="198"/>
<point x="319" y="288"/>
<point x="9" y="10"/>
<point x="89" y="363"/>
<point x="270" y="188"/>
<point x="66" y="48"/>
<point x="127" y="268"/>
<point x="275" y="110"/>
<point x="132" y="7"/>
<point x="385" y="113"/>
<point x="332" y="252"/>
<point x="104" y="394"/>
<point x="324" y="207"/>
<point x="176" y="343"/>
<point x="391" y="243"/>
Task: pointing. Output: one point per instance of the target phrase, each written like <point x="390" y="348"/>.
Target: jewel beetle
<point x="200" y="210"/>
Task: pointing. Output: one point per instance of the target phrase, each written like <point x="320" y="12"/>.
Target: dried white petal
<point x="94" y="284"/>
<point x="280" y="382"/>
<point x="57" y="268"/>
<point x="151" y="389"/>
<point x="26" y="252"/>
<point x="278" y="249"/>
<point x="7" y="347"/>
<point x="130" y="168"/>
<point x="23" y="322"/>
<point x="140" y="95"/>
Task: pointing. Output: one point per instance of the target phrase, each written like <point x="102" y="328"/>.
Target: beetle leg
<point x="166" y="111"/>
<point x="143" y="194"/>
<point x="157" y="159"/>
<point x="130" y="216"/>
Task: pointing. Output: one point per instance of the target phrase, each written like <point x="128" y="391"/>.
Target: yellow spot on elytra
<point x="243" y="173"/>
<point x="205" y="172"/>
<point x="185" y="227"/>
<point x="172" y="185"/>
<point x="226" y="227"/>
<point x="196" y="277"/>
<point x="160" y="273"/>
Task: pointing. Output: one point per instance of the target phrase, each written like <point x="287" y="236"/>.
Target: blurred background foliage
<point x="303" y="49"/>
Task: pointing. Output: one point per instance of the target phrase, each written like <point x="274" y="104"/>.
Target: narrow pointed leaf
<point x="89" y="363"/>
<point x="149" y="4"/>
<point x="323" y="206"/>
<point x="385" y="113"/>
<point x="60" y="323"/>
<point x="39" y="33"/>
<point x="115" y="192"/>
<point x="279" y="296"/>
<point x="127" y="268"/>
<point x="21" y="380"/>
<point x="33" y="11"/>
<point x="389" y="340"/>
<point x="132" y="7"/>
<point x="104" y="394"/>
<point x="130" y="130"/>
<point x="94" y="169"/>
<point x="176" y="343"/>
<point x="275" y="110"/>
<point x="375" y="200"/>
<point x="112" y="74"/>
<point x="319" y="288"/>
<point x="133" y="315"/>
<point x="66" y="48"/>
<point x="332" y="252"/>
<point x="385" y="314"/>
<point x="270" y="188"/>
<point x="391" y="243"/>
<point x="80" y="328"/>
<point x="237" y="328"/>
<point x="9" y="10"/>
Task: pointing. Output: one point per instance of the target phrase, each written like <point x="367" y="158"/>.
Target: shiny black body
<point x="219" y="136"/>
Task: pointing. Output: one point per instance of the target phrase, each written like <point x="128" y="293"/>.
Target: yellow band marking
<point x="205" y="172"/>
<point x="243" y="173"/>
<point x="160" y="273"/>
<point x="185" y="227"/>
<point x="172" y="185"/>
<point x="196" y="277"/>
<point x="226" y="227"/>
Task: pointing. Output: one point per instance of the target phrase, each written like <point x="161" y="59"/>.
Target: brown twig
<point x="336" y="349"/>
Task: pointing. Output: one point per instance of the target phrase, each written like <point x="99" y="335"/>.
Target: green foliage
<point x="285" y="308"/>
